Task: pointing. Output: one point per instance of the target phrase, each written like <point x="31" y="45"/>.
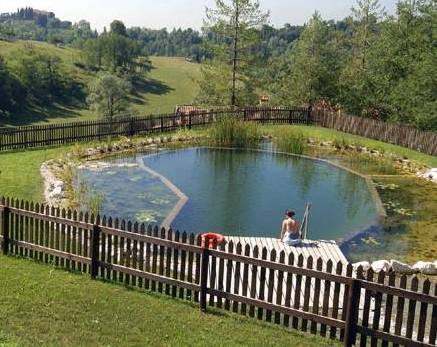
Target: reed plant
<point x="290" y="140"/>
<point x="230" y="131"/>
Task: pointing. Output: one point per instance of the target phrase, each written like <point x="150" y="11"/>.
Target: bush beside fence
<point x="320" y="298"/>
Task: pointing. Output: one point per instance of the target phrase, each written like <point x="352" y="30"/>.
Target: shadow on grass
<point x="65" y="103"/>
<point x="142" y="87"/>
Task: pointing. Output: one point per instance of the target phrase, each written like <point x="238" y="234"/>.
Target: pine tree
<point x="229" y="79"/>
<point x="312" y="66"/>
<point x="356" y="83"/>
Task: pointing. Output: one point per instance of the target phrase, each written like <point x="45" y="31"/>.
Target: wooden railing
<point x="64" y="133"/>
<point x="312" y="297"/>
<point x="409" y="137"/>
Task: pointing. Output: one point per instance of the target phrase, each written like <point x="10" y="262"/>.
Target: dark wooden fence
<point x="325" y="299"/>
<point x="422" y="141"/>
<point x="64" y="133"/>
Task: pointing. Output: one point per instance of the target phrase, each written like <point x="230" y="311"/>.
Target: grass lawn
<point x="326" y="134"/>
<point x="172" y="81"/>
<point x="20" y="175"/>
<point x="44" y="306"/>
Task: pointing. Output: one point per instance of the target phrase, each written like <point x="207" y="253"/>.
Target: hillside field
<point x="171" y="81"/>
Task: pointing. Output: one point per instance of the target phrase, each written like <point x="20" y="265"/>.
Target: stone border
<point x="182" y="197"/>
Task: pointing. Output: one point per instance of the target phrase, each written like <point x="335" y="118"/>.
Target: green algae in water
<point x="130" y="192"/>
<point x="409" y="232"/>
<point x="148" y="216"/>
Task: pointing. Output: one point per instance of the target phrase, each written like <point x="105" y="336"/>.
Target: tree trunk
<point x="235" y="55"/>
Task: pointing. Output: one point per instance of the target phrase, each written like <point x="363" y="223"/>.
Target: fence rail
<point x="316" y="297"/>
<point x="64" y="133"/>
<point x="422" y="141"/>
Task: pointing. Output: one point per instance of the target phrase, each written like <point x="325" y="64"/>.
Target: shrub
<point x="230" y="131"/>
<point x="290" y="140"/>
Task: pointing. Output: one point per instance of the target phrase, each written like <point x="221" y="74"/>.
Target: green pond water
<point x="234" y="192"/>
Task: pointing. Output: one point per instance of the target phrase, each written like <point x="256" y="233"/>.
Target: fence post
<point x="95" y="239"/>
<point x="131" y="127"/>
<point x="189" y="121"/>
<point x="204" y="276"/>
<point x="309" y="113"/>
<point x="290" y="116"/>
<point x="5" y="229"/>
<point x="353" y="302"/>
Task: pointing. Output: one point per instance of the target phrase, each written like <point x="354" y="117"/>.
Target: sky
<point x="179" y="13"/>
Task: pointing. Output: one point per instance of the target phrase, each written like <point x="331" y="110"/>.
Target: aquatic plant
<point x="68" y="175"/>
<point x="95" y="202"/>
<point x="290" y="140"/>
<point x="85" y="199"/>
<point x="230" y="131"/>
<point x="341" y="143"/>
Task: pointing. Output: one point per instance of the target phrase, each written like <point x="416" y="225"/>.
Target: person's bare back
<point x="290" y="227"/>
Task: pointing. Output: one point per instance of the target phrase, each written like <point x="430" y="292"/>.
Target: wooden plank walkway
<point x="326" y="250"/>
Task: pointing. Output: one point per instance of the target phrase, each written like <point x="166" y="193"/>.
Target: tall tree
<point x="357" y="84"/>
<point x="312" y="67"/>
<point x="406" y="59"/>
<point x="39" y="73"/>
<point x="108" y="96"/>
<point x="237" y="23"/>
<point x="118" y="28"/>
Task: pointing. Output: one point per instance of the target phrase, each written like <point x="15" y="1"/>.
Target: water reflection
<point x="241" y="192"/>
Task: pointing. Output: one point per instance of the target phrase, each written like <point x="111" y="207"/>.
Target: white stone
<point x="365" y="265"/>
<point x="401" y="268"/>
<point x="57" y="193"/>
<point x="381" y="265"/>
<point x="430" y="174"/>
<point x="426" y="268"/>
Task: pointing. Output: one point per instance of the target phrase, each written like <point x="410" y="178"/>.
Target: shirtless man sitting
<point x="290" y="229"/>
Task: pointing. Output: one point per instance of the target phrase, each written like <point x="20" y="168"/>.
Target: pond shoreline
<point x="194" y="141"/>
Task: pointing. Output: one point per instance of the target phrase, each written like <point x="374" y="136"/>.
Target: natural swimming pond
<point x="234" y="192"/>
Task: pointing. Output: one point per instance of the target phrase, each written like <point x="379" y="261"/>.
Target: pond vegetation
<point x="229" y="131"/>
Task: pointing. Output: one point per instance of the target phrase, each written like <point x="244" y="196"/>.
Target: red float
<point x="211" y="237"/>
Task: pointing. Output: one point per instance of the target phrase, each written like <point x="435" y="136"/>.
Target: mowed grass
<point x="326" y="134"/>
<point x="44" y="306"/>
<point x="172" y="81"/>
<point x="20" y="175"/>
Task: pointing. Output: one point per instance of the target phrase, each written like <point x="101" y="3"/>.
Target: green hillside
<point x="171" y="81"/>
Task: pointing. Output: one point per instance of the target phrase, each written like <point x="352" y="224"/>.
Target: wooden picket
<point x="364" y="309"/>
